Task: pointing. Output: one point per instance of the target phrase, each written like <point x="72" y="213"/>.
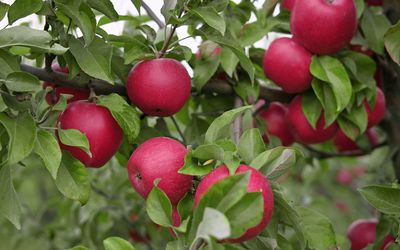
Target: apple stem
<point x="92" y="95"/>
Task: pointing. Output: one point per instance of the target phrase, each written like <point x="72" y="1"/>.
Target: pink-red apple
<point x="301" y="128"/>
<point x="97" y="123"/>
<point x="363" y="232"/>
<point x="159" y="87"/>
<point x="275" y="119"/>
<point x="344" y="176"/>
<point x="257" y="183"/>
<point x="287" y="64"/>
<point x="53" y="96"/>
<point x="344" y="143"/>
<point x="324" y="26"/>
<point x="159" y="158"/>
<point x="288" y="4"/>
<point x="376" y="114"/>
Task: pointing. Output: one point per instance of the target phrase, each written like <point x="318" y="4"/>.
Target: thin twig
<point x="153" y="15"/>
<point x="168" y="40"/>
<point x="325" y="155"/>
<point x="178" y="129"/>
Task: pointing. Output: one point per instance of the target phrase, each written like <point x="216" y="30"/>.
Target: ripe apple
<point x="275" y="118"/>
<point x="363" y="232"/>
<point x="287" y="64"/>
<point x="159" y="158"/>
<point x="257" y="183"/>
<point x="159" y="87"/>
<point x="344" y="176"/>
<point x="324" y="26"/>
<point x="374" y="2"/>
<point x="97" y="123"/>
<point x="53" y="96"/>
<point x="288" y="4"/>
<point x="376" y="114"/>
<point x="302" y="130"/>
<point x="344" y="143"/>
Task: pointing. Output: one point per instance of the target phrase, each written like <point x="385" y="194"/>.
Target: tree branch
<point x="153" y="15"/>
<point x="325" y="155"/>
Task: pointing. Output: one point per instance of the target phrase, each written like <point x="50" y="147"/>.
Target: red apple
<point x="302" y="130"/>
<point x="275" y="118"/>
<point x="97" y="123"/>
<point x="159" y="158"/>
<point x="324" y="26"/>
<point x="159" y="87"/>
<point x="288" y="4"/>
<point x="376" y="114"/>
<point x="53" y="96"/>
<point x="363" y="232"/>
<point x="344" y="143"/>
<point x="257" y="183"/>
<point x="288" y="65"/>
<point x="344" y="176"/>
<point x="374" y="2"/>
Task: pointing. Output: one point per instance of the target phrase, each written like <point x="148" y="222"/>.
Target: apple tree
<point x="134" y="141"/>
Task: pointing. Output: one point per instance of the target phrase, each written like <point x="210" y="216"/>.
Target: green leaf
<point x="8" y="64"/>
<point x="230" y="43"/>
<point x="374" y="25"/>
<point x="3" y="10"/>
<point x="117" y="243"/>
<point x="250" y="145"/>
<point x="125" y="115"/>
<point x="74" y="138"/>
<point x="358" y="115"/>
<point x="392" y="42"/>
<point x="214" y="224"/>
<point x="361" y="67"/>
<point x="311" y="108"/>
<point x="331" y="70"/>
<point x="231" y="161"/>
<point x="104" y="6"/>
<point x="82" y="16"/>
<point x="350" y="129"/>
<point x="326" y="97"/>
<point x="275" y="162"/>
<point x="79" y="248"/>
<point x="159" y="207"/>
<point x="22" y="82"/>
<point x="23" y="8"/>
<point x="209" y="151"/>
<point x="10" y="206"/>
<point x="220" y="126"/>
<point x="22" y="135"/>
<point x="360" y="6"/>
<point x="24" y="36"/>
<point x="384" y="198"/>
<point x="46" y="146"/>
<point x="203" y="71"/>
<point x="211" y="17"/>
<point x="229" y="61"/>
<point x="73" y="179"/>
<point x="191" y="168"/>
<point x="95" y="59"/>
<point x="167" y="8"/>
<point x="318" y="229"/>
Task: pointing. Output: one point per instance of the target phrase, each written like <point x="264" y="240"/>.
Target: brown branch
<point x="153" y="15"/>
<point x="325" y="155"/>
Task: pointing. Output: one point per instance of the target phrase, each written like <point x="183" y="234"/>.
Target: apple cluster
<point x="319" y="27"/>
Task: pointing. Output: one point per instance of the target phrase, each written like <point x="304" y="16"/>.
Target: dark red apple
<point x="159" y="87"/>
<point x="376" y="114"/>
<point x="363" y="232"/>
<point x="374" y="2"/>
<point x="287" y="64"/>
<point x="53" y="96"/>
<point x="302" y="130"/>
<point x="275" y="119"/>
<point x="344" y="143"/>
<point x="97" y="123"/>
<point x="159" y="158"/>
<point x="257" y="183"/>
<point x="324" y="26"/>
<point x="288" y="4"/>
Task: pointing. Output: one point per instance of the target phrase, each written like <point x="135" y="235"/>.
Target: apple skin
<point x="324" y="27"/>
<point x="257" y="183"/>
<point x="159" y="87"/>
<point x="376" y="114"/>
<point x="344" y="143"/>
<point x="363" y="232"/>
<point x="302" y="130"/>
<point x="275" y="118"/>
<point x="374" y="2"/>
<point x="288" y="4"/>
<point x="97" y="123"/>
<point x="159" y="158"/>
<point x="53" y="97"/>
<point x="287" y="64"/>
